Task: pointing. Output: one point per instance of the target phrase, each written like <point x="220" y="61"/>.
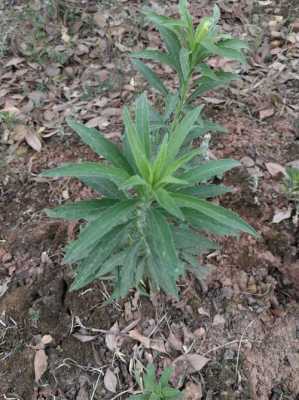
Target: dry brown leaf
<point x="100" y="19"/>
<point x="40" y="364"/>
<point x="134" y="334"/>
<point x="266" y="113"/>
<point x="185" y="365"/>
<point x="281" y="215"/>
<point x="98" y="122"/>
<point x="46" y="339"/>
<point x="13" y="62"/>
<point x="110" y="381"/>
<point x="275" y="169"/>
<point x="19" y="133"/>
<point x="193" y="391"/>
<point x="84" y="338"/>
<point x="33" y="140"/>
<point x="175" y="342"/>
<point x="154" y="344"/>
<point x="218" y="320"/>
<point x="112" y="339"/>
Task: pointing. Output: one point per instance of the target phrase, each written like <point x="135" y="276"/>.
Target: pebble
<point x="218" y="320"/>
<point x="247" y="162"/>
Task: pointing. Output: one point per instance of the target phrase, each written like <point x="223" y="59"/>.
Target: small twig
<point x="224" y="345"/>
<point x="95" y="387"/>
<point x="240" y="344"/>
<point x="120" y="394"/>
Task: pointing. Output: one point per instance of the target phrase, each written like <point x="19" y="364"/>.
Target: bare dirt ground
<point x="242" y="328"/>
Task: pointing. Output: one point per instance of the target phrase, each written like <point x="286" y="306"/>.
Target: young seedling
<point x="143" y="229"/>
<point x="187" y="51"/>
<point x="157" y="389"/>
<point x="292" y="188"/>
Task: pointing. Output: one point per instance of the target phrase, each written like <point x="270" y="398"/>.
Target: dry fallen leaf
<point x="40" y="364"/>
<point x="266" y="113"/>
<point x="281" y="215"/>
<point x="33" y="140"/>
<point x="112" y="339"/>
<point x="46" y="339"/>
<point x="84" y="338"/>
<point x="110" y="381"/>
<point x="275" y="169"/>
<point x="193" y="391"/>
<point x="154" y="344"/>
<point x="185" y="365"/>
<point x="218" y="320"/>
<point x="175" y="342"/>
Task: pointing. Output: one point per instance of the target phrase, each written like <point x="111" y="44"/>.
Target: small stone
<point x="218" y="320"/>
<point x="293" y="164"/>
<point x="247" y="162"/>
<point x="295" y="26"/>
<point x="200" y="332"/>
<point x="6" y="258"/>
<point x="251" y="287"/>
<point x="243" y="280"/>
<point x="229" y="355"/>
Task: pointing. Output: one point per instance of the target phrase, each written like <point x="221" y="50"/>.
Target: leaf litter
<point x="81" y="78"/>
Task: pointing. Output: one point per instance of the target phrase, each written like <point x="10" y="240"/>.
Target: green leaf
<point x="172" y="44"/>
<point x="150" y="377"/>
<point x="90" y="266"/>
<point x="217" y="213"/>
<point x="220" y="50"/>
<point x="182" y="130"/>
<point x="205" y="191"/>
<point x="116" y="260"/>
<point x="103" y="186"/>
<point x="202" y="222"/>
<point x="154" y="55"/>
<point x="163" y="264"/>
<point x="184" y="61"/>
<point x="235" y="44"/>
<point x="87" y="170"/>
<point x="185" y="14"/>
<point x="136" y="146"/>
<point x="208" y="170"/>
<point x="85" y="209"/>
<point x="168" y="203"/>
<point x="111" y="217"/>
<point x="206" y="126"/>
<point x="98" y="143"/>
<point x="132" y="182"/>
<point x="187" y="239"/>
<point x="161" y="159"/>
<point x="143" y="123"/>
<point x="170" y="105"/>
<point x="150" y="76"/>
<point x="127" y="273"/>
<point x="180" y="162"/>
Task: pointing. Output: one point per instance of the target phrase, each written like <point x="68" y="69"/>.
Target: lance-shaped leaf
<point x="127" y="273"/>
<point x="208" y="170"/>
<point x="88" y="170"/>
<point x="217" y="213"/>
<point x="90" y="266"/>
<point x="143" y="122"/>
<point x="136" y="146"/>
<point x="103" y="186"/>
<point x="184" y="61"/>
<point x="150" y="76"/>
<point x="85" y="209"/>
<point x="182" y="130"/>
<point x="168" y="203"/>
<point x="98" y="143"/>
<point x="206" y="191"/>
<point x="111" y="217"/>
<point x="173" y="46"/>
<point x="154" y="55"/>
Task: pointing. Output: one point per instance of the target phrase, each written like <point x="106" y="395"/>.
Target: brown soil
<point x="246" y="319"/>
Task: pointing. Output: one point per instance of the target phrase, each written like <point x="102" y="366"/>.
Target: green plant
<point x="187" y="50"/>
<point x="157" y="390"/>
<point x="144" y="230"/>
<point x="292" y="185"/>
